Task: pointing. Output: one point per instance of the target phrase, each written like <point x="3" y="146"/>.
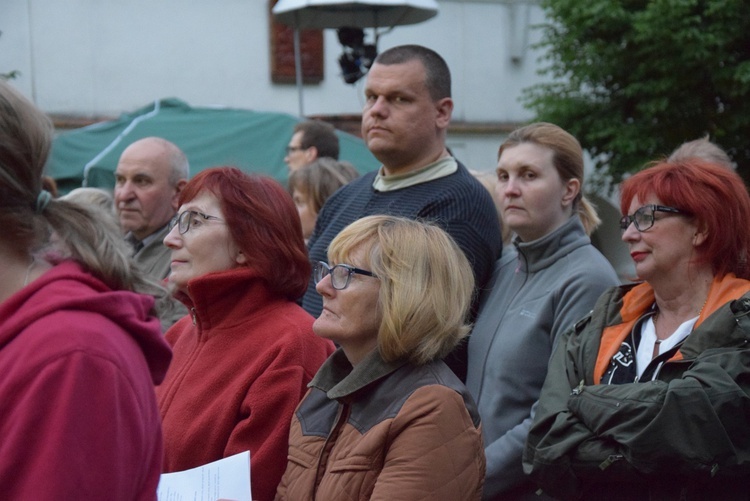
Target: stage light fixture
<point x="357" y="56"/>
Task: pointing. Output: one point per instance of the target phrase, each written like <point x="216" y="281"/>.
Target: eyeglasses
<point x="644" y="217"/>
<point x="341" y="274"/>
<point x="292" y="149"/>
<point x="189" y="219"/>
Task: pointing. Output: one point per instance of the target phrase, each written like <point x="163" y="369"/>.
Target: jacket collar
<point x="543" y="252"/>
<point x="226" y="297"/>
<point x="338" y="379"/>
<point x="635" y="300"/>
<point x="157" y="236"/>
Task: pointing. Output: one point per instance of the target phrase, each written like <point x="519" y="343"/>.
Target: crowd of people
<point x="415" y="332"/>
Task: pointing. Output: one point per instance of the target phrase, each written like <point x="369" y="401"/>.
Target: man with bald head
<point x="148" y="179"/>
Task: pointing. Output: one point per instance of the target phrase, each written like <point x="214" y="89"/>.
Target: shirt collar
<point x="441" y="168"/>
<point x="146" y="241"/>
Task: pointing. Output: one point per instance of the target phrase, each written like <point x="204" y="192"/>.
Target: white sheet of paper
<point x="227" y="478"/>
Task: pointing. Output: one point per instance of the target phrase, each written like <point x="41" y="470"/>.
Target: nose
<point x="508" y="188"/>
<point x="124" y="192"/>
<point x="325" y="287"/>
<point x="173" y="240"/>
<point x="378" y="107"/>
<point x="631" y="233"/>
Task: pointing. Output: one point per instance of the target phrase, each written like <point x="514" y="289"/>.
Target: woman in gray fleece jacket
<point x="550" y="278"/>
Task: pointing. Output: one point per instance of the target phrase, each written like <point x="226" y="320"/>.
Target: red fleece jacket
<point x="242" y="361"/>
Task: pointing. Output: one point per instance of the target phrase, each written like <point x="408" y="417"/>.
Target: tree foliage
<point x="633" y="79"/>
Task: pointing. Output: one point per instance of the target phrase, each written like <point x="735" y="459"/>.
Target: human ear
<point x="241" y="258"/>
<point x="700" y="236"/>
<point x="444" y="109"/>
<point x="311" y="154"/>
<point x="571" y="189"/>
<point x="177" y="189"/>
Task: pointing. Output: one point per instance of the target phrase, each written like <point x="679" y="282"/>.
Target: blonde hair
<point x="489" y="181"/>
<point x="567" y="157"/>
<point x="320" y="179"/>
<point x="426" y="284"/>
<point x="704" y="149"/>
<point x="96" y="198"/>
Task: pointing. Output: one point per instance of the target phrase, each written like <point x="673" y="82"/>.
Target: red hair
<point x="714" y="195"/>
<point x="263" y="222"/>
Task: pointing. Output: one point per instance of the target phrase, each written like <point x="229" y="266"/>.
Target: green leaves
<point x="632" y="79"/>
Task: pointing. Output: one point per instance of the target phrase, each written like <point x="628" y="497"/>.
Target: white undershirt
<point x="648" y="340"/>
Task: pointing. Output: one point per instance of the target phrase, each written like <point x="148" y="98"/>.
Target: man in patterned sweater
<point x="404" y="123"/>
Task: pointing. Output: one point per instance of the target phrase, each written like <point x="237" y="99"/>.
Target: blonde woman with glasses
<point x="385" y="418"/>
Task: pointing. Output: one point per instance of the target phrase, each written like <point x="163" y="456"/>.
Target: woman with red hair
<point x="245" y="353"/>
<point x="649" y="396"/>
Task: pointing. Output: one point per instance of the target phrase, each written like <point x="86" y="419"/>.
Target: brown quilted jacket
<point x="384" y="432"/>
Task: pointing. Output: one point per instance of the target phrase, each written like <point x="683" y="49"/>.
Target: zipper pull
<point x="578" y="389"/>
<point x="610" y="459"/>
<point x="714" y="469"/>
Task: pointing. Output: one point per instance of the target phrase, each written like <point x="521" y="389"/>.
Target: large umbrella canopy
<point x="253" y="141"/>
<point x="319" y="14"/>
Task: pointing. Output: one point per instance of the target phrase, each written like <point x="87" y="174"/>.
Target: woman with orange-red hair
<point x="649" y="396"/>
<point x="245" y="353"/>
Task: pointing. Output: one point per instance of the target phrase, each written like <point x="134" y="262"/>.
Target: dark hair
<point x="714" y="195"/>
<point x="264" y="223"/>
<point x="320" y="134"/>
<point x="319" y="179"/>
<point x="438" y="76"/>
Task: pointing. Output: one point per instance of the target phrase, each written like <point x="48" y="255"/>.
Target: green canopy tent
<point x="253" y="141"/>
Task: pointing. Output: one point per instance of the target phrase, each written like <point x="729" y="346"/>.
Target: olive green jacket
<point x="687" y="433"/>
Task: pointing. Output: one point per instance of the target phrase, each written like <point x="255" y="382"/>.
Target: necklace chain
<point x="656" y="316"/>
<point x="700" y="312"/>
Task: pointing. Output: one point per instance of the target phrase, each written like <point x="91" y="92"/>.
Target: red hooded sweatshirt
<point x="78" y="362"/>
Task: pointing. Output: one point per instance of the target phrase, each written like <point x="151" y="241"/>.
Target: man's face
<point x="401" y="124"/>
<point x="145" y="199"/>
<point x="297" y="156"/>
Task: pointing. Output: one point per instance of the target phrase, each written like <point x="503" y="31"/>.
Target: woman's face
<point x="533" y="198"/>
<point x="351" y="317"/>
<point x="307" y="215"/>
<point x="206" y="246"/>
<point x="665" y="248"/>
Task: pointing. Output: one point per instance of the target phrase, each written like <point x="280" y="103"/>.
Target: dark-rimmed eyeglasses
<point x="341" y="274"/>
<point x="292" y="149"/>
<point x="189" y="219"/>
<point x="644" y="218"/>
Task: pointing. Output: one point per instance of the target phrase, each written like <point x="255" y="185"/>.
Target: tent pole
<point x="298" y="71"/>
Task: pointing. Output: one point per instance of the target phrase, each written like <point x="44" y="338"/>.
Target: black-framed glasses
<point x="190" y="219"/>
<point x="341" y="274"/>
<point x="644" y="218"/>
<point x="292" y="149"/>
